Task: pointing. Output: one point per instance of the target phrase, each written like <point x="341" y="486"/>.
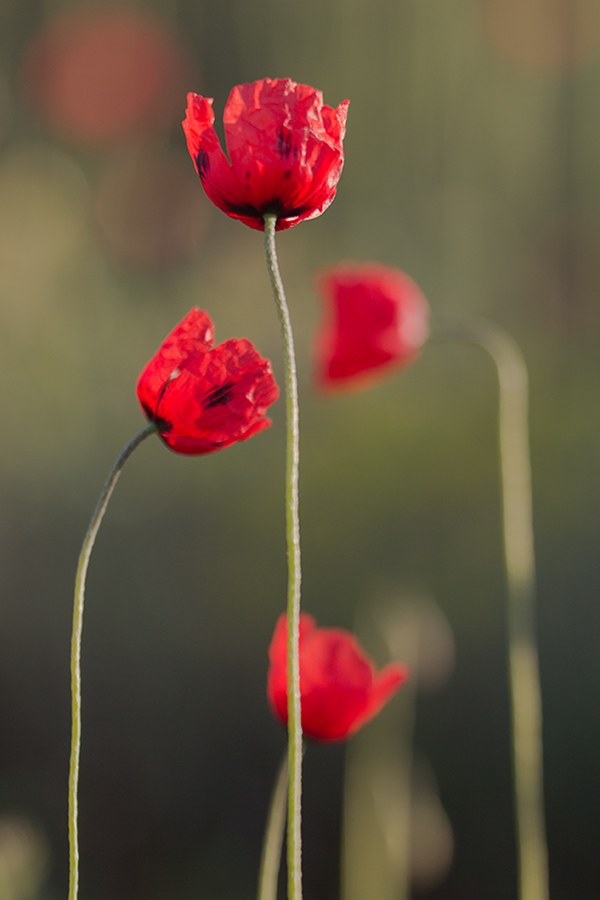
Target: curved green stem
<point x="294" y="839"/>
<point x="273" y="839"/>
<point x="520" y="574"/>
<point x="82" y="566"/>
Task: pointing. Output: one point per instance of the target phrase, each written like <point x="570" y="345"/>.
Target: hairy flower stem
<point x="273" y="838"/>
<point x="520" y="574"/>
<point x="294" y="838"/>
<point x="82" y="566"/>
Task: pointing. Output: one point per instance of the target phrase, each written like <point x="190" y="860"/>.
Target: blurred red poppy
<point x="285" y="151"/>
<point x="204" y="398"/>
<point x="101" y="75"/>
<point x="339" y="686"/>
<point x="376" y="319"/>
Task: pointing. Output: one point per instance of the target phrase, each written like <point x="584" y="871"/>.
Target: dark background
<point x="472" y="163"/>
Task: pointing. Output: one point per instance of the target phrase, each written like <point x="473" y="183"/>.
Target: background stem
<point x="82" y="566"/>
<point x="273" y="839"/>
<point x="520" y="574"/>
<point x="294" y="838"/>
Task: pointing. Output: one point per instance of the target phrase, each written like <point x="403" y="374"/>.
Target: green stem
<point x="294" y="838"/>
<point x="82" y="566"/>
<point x="520" y="574"/>
<point x="273" y="839"/>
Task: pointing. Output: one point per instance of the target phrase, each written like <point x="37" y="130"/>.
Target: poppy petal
<point x="285" y="151"/>
<point x="339" y="686"/>
<point x="205" y="398"/>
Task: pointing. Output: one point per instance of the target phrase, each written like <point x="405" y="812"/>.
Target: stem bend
<point x="519" y="560"/>
<point x="82" y="567"/>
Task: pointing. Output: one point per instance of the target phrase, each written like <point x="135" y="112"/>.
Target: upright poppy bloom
<point x="204" y="398"/>
<point x="285" y="151"/>
<point x="339" y="686"/>
<point x="376" y="320"/>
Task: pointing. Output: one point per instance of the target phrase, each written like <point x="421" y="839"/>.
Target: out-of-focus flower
<point x="24" y="859"/>
<point x="376" y="320"/>
<point x="285" y="151"/>
<point x="546" y="36"/>
<point x="204" y="398"/>
<point x="339" y="685"/>
<point x="101" y="75"/>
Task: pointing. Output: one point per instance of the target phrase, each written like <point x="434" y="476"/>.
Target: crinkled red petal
<point x="285" y="149"/>
<point x="204" y="399"/>
<point x="193" y="335"/>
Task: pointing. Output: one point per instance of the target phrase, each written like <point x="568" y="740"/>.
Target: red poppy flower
<point x="204" y="398"/>
<point x="339" y="686"/>
<point x="376" y="320"/>
<point x="285" y="151"/>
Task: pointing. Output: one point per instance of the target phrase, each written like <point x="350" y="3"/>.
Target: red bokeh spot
<point x="547" y="36"/>
<point x="99" y="76"/>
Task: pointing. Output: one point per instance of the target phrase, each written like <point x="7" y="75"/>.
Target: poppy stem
<point x="273" y="838"/>
<point x="294" y="838"/>
<point x="519" y="559"/>
<point x="82" y="566"/>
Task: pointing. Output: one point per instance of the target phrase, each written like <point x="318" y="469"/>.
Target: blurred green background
<point x="472" y="162"/>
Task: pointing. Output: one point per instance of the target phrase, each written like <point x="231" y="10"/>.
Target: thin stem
<point x="294" y="838"/>
<point x="273" y="839"/>
<point x="82" y="566"/>
<point x="520" y="574"/>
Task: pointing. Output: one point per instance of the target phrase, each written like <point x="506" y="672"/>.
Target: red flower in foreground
<point x="376" y="320"/>
<point x="285" y="149"/>
<point x="204" y="398"/>
<point x="339" y="686"/>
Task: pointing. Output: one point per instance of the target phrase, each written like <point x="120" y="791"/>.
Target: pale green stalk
<point x="520" y="574"/>
<point x="82" y="566"/>
<point x="294" y="838"/>
<point x="273" y="838"/>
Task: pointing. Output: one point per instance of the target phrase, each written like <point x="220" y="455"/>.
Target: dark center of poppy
<point x="162" y="425"/>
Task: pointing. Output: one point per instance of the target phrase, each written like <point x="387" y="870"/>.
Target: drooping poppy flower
<point x="204" y="398"/>
<point x="285" y="151"/>
<point x="339" y="686"/>
<point x="376" y="320"/>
